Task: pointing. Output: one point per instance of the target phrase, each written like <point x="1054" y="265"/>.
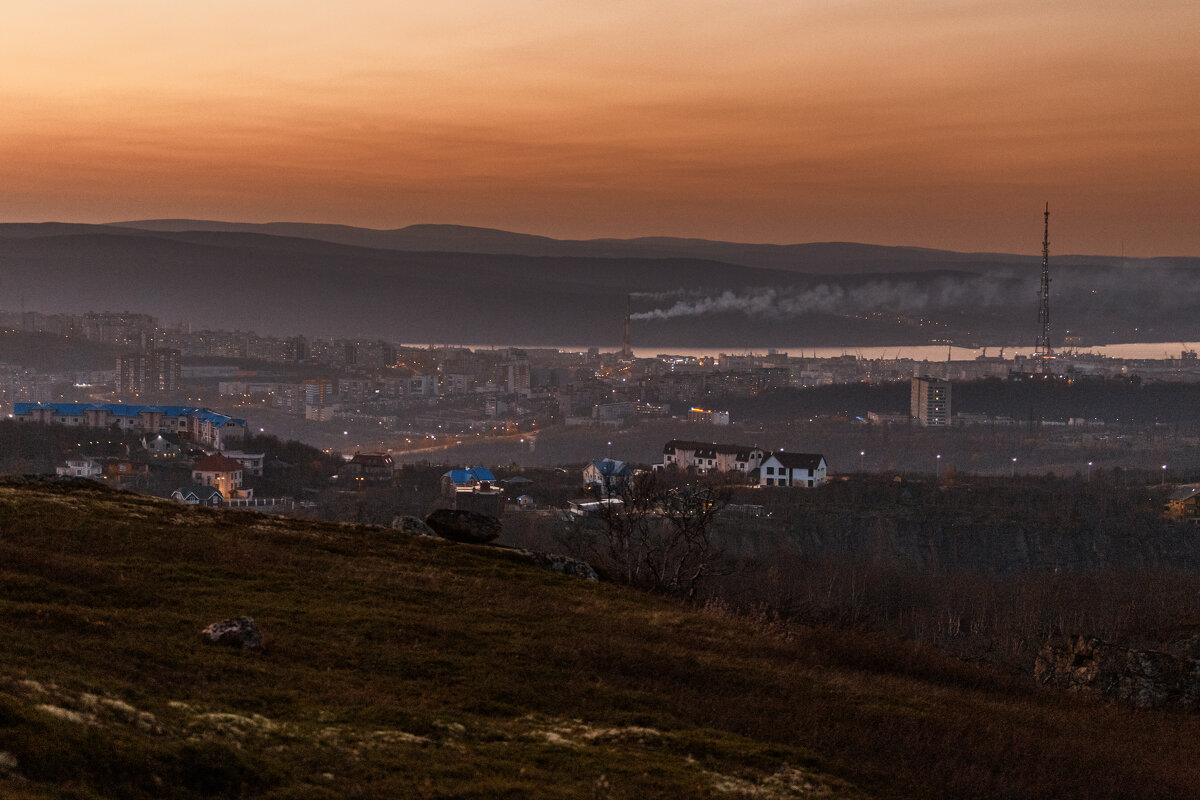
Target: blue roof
<point x="462" y="476"/>
<point x="122" y="410"/>
<point x="610" y="467"/>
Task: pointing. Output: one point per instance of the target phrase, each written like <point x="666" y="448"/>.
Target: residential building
<point x="708" y="417"/>
<point x="465" y="478"/>
<point x="607" y="475"/>
<point x="222" y="473"/>
<point x="710" y="456"/>
<point x="318" y="400"/>
<point x="368" y="468"/>
<point x="85" y="467"/>
<point x="149" y="373"/>
<point x="252" y="463"/>
<point x="201" y="425"/>
<point x="198" y="496"/>
<point x="930" y="401"/>
<point x="482" y="498"/>
<point x="793" y="469"/>
<point x="1184" y="502"/>
<point x="517" y="381"/>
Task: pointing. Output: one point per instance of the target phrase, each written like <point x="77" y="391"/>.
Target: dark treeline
<point x="982" y="568"/>
<point x="27" y="449"/>
<point x="1110" y="400"/>
<point x="987" y="567"/>
<point x="49" y="352"/>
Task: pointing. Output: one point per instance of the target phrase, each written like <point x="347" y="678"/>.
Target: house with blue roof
<point x="474" y="489"/>
<point x="607" y="475"/>
<point x="466" y="478"/>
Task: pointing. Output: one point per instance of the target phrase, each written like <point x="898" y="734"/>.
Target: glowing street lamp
<point x="1089" y="472"/>
<point x="938" y="469"/>
<point x="1013" y="474"/>
<point x="1163" y="482"/>
<point x="862" y="454"/>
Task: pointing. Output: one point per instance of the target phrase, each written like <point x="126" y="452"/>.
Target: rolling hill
<point x="398" y="666"/>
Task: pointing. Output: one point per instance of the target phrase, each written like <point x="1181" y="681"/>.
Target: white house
<point x="793" y="469"/>
<point x="81" y="468"/>
<point x="252" y="463"/>
<point x="198" y="496"/>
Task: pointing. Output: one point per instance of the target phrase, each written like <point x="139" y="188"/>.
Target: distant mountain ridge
<point x="455" y="284"/>
<point x="811" y="257"/>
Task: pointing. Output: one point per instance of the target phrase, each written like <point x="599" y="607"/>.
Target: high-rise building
<point x="317" y="391"/>
<point x="517" y="381"/>
<point x="133" y="374"/>
<point x="153" y="373"/>
<point x="165" y="371"/>
<point x="930" y="401"/>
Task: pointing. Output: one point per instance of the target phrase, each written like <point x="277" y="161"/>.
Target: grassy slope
<point x="411" y="667"/>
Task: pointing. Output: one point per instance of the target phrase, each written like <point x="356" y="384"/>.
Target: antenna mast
<point x="1043" y="348"/>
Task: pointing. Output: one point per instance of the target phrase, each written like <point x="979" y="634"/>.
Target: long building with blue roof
<point x="203" y="425"/>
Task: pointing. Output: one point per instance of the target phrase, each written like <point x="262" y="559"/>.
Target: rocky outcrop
<point x="460" y="525"/>
<point x="1145" y="678"/>
<point x="10" y="767"/>
<point x="412" y="526"/>
<point x="565" y="565"/>
<point x="237" y="632"/>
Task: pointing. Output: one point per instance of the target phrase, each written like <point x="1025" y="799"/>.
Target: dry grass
<point x="414" y="668"/>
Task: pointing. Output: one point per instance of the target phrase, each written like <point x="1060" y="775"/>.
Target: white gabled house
<point x="793" y="469"/>
<point x="196" y="495"/>
<point x="85" y="467"/>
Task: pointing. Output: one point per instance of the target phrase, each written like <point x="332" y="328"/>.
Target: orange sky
<point x="939" y="123"/>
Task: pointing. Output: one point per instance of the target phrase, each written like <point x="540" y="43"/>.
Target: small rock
<point x="9" y="767"/>
<point x="236" y="632"/>
<point x="460" y="525"/>
<point x="565" y="565"/>
<point x="412" y="526"/>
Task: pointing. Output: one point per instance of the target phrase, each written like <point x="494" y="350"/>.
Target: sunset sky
<point x="938" y="123"/>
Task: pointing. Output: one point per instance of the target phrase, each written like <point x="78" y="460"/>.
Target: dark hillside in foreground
<point x="402" y="667"/>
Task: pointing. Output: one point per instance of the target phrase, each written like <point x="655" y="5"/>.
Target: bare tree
<point x="657" y="536"/>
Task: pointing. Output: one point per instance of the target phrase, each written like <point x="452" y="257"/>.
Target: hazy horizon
<point x="944" y="125"/>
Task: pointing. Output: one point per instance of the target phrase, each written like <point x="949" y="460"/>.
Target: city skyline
<point x="946" y="125"/>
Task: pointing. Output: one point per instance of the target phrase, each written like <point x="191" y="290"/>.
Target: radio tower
<point x="1043" y="349"/>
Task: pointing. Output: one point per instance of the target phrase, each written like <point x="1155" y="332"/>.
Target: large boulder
<point x="1145" y="678"/>
<point x="236" y="632"/>
<point x="460" y="525"/>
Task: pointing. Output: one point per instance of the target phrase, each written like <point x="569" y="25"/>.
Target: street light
<point x="1013" y="474"/>
<point x="1089" y="472"/>
<point x="1163" y="482"/>
<point x="862" y="454"/>
<point x="938" y="469"/>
